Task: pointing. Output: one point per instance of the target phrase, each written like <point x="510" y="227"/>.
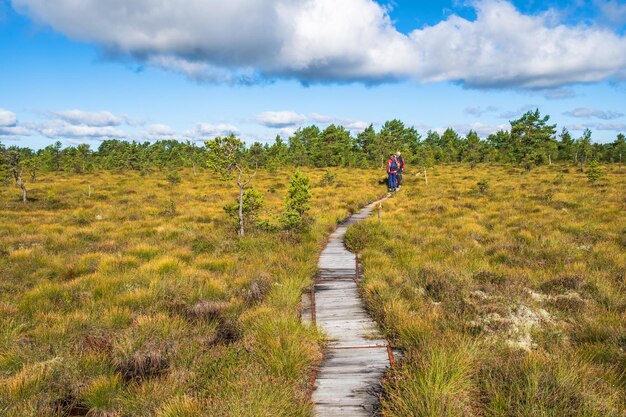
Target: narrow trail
<point x="357" y="355"/>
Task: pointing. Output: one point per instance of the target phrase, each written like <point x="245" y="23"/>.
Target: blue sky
<point x="84" y="71"/>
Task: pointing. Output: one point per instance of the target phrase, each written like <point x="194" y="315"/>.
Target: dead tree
<point x="17" y="174"/>
<point x="16" y="168"/>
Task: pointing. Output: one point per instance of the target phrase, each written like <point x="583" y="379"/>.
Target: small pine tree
<point x="595" y="172"/>
<point x="173" y="178"/>
<point x="297" y="202"/>
<point x="252" y="203"/>
<point x="329" y="178"/>
<point x="483" y="186"/>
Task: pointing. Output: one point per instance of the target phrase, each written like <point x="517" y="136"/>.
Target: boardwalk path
<point x="357" y="355"/>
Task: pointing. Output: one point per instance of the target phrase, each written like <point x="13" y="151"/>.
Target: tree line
<point x="530" y="141"/>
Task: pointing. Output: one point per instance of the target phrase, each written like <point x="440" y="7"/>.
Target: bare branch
<point x="249" y="179"/>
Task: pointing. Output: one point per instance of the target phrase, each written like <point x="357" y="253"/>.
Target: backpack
<point x="394" y="165"/>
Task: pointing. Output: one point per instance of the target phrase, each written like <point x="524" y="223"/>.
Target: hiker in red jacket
<point x="401" y="164"/>
<point x="392" y="171"/>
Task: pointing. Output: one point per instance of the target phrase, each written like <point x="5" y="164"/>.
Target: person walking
<point x="392" y="171"/>
<point x="401" y="164"/>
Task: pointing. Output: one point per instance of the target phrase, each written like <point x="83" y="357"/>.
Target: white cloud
<point x="288" y="121"/>
<point x="350" y="124"/>
<point x="58" y="128"/>
<point x="7" y="118"/>
<point x="159" y="130"/>
<point x="94" y="119"/>
<point x="80" y="125"/>
<point x="8" y="132"/>
<point x="286" y="132"/>
<point x="281" y="119"/>
<point x="208" y="130"/>
<point x="587" y="113"/>
<point x="9" y="127"/>
<point x="350" y="40"/>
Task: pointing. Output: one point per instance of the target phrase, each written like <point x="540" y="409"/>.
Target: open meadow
<point x="505" y="289"/>
<point x="200" y="214"/>
<point x="130" y="295"/>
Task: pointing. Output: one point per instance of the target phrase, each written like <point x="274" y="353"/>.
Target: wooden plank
<point x="357" y="356"/>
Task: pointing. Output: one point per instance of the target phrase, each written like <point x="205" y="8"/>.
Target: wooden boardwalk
<point x="357" y="355"/>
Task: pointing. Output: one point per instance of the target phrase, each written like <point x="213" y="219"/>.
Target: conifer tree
<point x="533" y="139"/>
<point x="595" y="172"/>
<point x="297" y="202"/>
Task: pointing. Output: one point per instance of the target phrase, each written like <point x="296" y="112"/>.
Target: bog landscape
<point x="128" y="290"/>
<point x="312" y="208"/>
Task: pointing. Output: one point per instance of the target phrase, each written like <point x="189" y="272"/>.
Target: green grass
<point x="141" y="300"/>
<point x="509" y="299"/>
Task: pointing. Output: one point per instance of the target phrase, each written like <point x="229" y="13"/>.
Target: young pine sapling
<point x="225" y="157"/>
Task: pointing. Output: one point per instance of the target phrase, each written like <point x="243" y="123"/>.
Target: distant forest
<point x="530" y="141"/>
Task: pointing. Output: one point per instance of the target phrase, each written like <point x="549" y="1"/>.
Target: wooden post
<point x="425" y="176"/>
<point x="380" y="211"/>
<point x="89" y="191"/>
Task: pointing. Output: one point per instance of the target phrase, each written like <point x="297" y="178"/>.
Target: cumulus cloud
<point x="208" y="130"/>
<point x="86" y="118"/>
<point x="350" y="124"/>
<point x="203" y="72"/>
<point x="9" y="127"/>
<point x="286" y="132"/>
<point x="288" y="121"/>
<point x="587" y="113"/>
<point x="7" y="118"/>
<point x="14" y="132"/>
<point x="281" y="119"/>
<point x="80" y="124"/>
<point x="159" y="131"/>
<point x="350" y="40"/>
<point x="59" y="128"/>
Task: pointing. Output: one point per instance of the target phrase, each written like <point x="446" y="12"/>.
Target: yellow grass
<point x="97" y="296"/>
<point x="531" y="273"/>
